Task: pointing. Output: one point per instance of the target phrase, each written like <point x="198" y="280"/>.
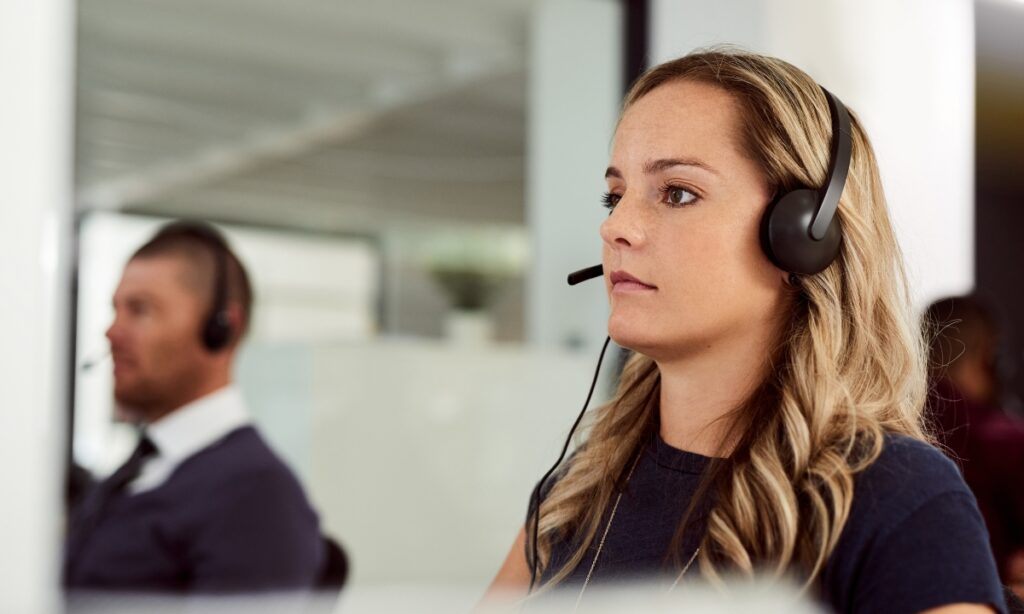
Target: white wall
<point x="907" y="69"/>
<point x="35" y="199"/>
<point x="574" y="96"/>
<point x="424" y="454"/>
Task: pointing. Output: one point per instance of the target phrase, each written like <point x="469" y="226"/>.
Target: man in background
<point x="203" y="504"/>
<point x="965" y="405"/>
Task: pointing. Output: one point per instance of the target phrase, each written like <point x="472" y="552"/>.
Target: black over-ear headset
<point x="216" y="329"/>
<point x="799" y="230"/>
<point x="799" y="233"/>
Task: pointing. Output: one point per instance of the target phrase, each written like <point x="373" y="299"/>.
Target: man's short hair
<point x="201" y="245"/>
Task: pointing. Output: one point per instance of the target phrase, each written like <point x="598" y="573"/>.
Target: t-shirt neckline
<point x="678" y="460"/>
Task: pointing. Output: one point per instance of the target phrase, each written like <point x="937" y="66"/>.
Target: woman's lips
<point x="625" y="282"/>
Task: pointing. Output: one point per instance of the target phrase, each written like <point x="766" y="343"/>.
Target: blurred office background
<point x="409" y="183"/>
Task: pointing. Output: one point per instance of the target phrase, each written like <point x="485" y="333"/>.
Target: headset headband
<point x="838" y="166"/>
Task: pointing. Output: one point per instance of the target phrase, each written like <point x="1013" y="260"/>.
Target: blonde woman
<point x="767" y="423"/>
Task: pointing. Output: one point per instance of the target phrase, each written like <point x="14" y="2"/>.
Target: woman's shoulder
<point x="907" y="474"/>
<point x="914" y="538"/>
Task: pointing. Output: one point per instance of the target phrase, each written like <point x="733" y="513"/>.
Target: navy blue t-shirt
<point x="914" y="539"/>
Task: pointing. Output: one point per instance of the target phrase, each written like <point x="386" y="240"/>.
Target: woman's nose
<point x="624" y="226"/>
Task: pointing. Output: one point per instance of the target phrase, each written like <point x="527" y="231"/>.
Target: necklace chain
<point x="604" y="536"/>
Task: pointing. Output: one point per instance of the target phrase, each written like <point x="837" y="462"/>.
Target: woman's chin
<point x="655" y="342"/>
<point x="633" y="337"/>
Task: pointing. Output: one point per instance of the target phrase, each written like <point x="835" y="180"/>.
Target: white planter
<point x="469" y="327"/>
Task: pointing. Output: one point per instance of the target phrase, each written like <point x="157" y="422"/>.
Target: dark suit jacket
<point x="231" y="518"/>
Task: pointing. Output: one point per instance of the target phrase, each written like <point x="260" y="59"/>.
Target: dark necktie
<point x="131" y="468"/>
<point x="89" y="517"/>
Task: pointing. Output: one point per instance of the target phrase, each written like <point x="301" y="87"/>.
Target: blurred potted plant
<point x="470" y="268"/>
<point x="470" y="292"/>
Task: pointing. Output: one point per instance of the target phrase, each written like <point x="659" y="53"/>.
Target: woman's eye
<point x="679" y="196"/>
<point x="609" y="200"/>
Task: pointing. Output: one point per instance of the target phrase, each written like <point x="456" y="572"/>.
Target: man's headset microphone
<point x="799" y="233"/>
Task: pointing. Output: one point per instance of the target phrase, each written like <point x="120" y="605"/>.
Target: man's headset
<point x="216" y="329"/>
<point x="799" y="233"/>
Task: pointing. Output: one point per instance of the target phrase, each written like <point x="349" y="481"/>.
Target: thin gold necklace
<point x="600" y="546"/>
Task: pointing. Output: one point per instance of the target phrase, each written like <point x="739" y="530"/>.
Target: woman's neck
<point x="699" y="392"/>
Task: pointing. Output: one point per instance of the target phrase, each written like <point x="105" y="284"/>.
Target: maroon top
<point x="989" y="446"/>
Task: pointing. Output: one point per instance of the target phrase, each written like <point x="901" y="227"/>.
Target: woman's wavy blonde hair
<point x="849" y="365"/>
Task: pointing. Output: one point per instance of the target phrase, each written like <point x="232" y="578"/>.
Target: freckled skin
<point x="713" y="281"/>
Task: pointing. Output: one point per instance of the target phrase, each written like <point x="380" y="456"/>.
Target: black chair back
<point x="335" y="571"/>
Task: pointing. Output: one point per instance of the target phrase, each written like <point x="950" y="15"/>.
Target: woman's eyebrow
<point x="655" y="166"/>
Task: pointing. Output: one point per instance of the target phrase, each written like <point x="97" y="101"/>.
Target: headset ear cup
<point x="217" y="331"/>
<point x="786" y="238"/>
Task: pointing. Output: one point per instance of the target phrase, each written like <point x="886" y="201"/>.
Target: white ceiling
<point x="328" y="115"/>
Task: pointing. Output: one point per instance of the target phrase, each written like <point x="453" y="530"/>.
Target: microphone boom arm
<point x="585" y="274"/>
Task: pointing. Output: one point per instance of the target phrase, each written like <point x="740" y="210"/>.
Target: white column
<point x="574" y="96"/>
<point x="35" y="196"/>
<point x="907" y="69"/>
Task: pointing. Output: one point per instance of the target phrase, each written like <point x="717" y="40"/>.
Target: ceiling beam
<point x="266" y="145"/>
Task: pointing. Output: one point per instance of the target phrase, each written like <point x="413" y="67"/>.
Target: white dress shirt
<point x="190" y="429"/>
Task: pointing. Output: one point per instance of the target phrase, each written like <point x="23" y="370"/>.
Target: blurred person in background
<point x="203" y="504"/>
<point x="770" y="421"/>
<point x="965" y="402"/>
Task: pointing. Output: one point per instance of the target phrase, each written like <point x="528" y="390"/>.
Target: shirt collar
<point x="198" y="424"/>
